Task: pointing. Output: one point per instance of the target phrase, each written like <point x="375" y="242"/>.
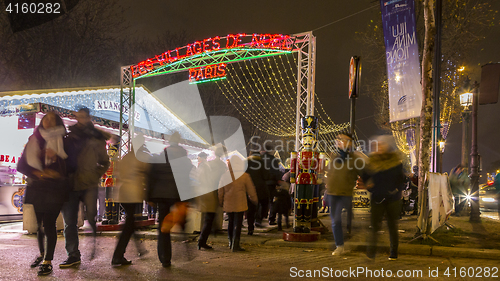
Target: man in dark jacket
<point x="91" y="162"/>
<point x="259" y="175"/>
<point x="271" y="165"/>
<point x="169" y="172"/>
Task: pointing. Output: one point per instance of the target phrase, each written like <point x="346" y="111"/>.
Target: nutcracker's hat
<point x="309" y="126"/>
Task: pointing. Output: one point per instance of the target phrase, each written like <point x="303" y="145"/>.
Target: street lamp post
<point x="470" y="96"/>
<point x="474" y="171"/>
<point x="442" y="144"/>
<point x="466" y="102"/>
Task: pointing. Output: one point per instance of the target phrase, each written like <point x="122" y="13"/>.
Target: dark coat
<point x="92" y="160"/>
<point x="282" y="202"/>
<point x="271" y="165"/>
<point x="46" y="195"/>
<point x="162" y="184"/>
<point x="387" y="179"/>
<point x="255" y="169"/>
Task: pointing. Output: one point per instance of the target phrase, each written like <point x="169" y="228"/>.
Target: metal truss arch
<point x="304" y="44"/>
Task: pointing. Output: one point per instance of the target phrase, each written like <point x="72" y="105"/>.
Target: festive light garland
<point x="404" y="132"/>
<point x="328" y="129"/>
<point x="258" y="119"/>
<point x="264" y="93"/>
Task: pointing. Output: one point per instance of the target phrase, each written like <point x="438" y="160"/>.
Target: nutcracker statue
<point x="306" y="170"/>
<point x="108" y="181"/>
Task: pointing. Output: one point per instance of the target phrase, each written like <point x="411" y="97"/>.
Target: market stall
<point x="21" y="112"/>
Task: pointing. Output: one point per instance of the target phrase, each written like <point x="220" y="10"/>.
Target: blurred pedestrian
<point x="282" y="203"/>
<point x="414" y="190"/>
<point x="236" y="185"/>
<point x="259" y="175"/>
<point x="43" y="162"/>
<point x="91" y="162"/>
<point x="385" y="179"/>
<point x="209" y="176"/>
<point x="460" y="183"/>
<point x="272" y="166"/>
<point x="164" y="188"/>
<point x="132" y="175"/>
<point x="325" y="207"/>
<point x="343" y="172"/>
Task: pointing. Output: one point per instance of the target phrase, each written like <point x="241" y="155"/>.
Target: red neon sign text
<point x="207" y="72"/>
<point x="9" y="158"/>
<point x="263" y="41"/>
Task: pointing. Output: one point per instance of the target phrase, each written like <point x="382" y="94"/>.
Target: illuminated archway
<point x="208" y="60"/>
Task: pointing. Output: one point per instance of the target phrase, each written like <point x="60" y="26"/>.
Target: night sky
<point x="335" y="45"/>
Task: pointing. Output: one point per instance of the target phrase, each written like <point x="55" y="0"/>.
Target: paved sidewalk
<point x="460" y="238"/>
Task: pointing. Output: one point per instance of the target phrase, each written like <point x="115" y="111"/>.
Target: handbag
<point x="49" y="195"/>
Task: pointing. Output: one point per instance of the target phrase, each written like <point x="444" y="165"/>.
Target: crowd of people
<point x="64" y="168"/>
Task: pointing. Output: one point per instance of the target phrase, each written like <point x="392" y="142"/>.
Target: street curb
<point x="283" y="243"/>
<point x="409" y="249"/>
<point x="466" y="252"/>
<point x="404" y="248"/>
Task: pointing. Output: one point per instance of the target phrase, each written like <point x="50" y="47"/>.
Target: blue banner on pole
<point x="403" y="66"/>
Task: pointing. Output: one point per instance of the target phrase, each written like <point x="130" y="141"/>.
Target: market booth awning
<point x="151" y="117"/>
<point x="21" y="111"/>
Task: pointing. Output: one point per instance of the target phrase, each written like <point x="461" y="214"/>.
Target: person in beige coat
<point x="132" y="173"/>
<point x="236" y="185"/>
<point x="208" y="176"/>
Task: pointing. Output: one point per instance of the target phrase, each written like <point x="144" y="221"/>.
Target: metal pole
<point x="353" y="115"/>
<point x="313" y="75"/>
<point x="474" y="175"/>
<point x="441" y="161"/>
<point x="465" y="138"/>
<point x="299" y="99"/>
<point x="437" y="88"/>
<point x="309" y="72"/>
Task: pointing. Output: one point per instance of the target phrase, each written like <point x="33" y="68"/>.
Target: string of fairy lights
<point x="264" y="92"/>
<point x="329" y="130"/>
<point x="404" y="131"/>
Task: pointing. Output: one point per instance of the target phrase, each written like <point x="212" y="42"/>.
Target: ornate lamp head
<point x="309" y="126"/>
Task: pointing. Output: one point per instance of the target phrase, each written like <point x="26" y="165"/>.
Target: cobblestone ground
<point x="257" y="263"/>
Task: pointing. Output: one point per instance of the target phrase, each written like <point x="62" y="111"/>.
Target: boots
<point x="235" y="246"/>
<point x="230" y="237"/>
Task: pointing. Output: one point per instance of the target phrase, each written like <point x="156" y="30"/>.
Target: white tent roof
<point x="151" y="116"/>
